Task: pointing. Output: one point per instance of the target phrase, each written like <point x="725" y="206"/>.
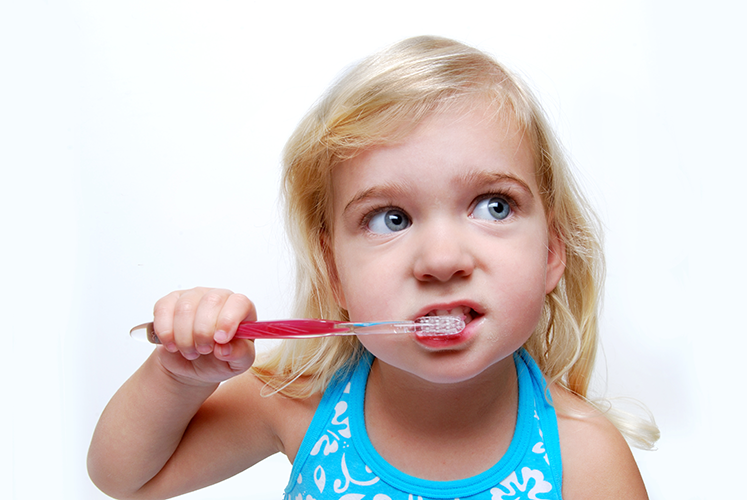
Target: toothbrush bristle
<point x="440" y="325"/>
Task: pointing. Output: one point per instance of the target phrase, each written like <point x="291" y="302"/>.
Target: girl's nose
<point x="443" y="255"/>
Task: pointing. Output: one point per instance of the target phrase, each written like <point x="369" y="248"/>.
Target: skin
<point x="436" y="411"/>
<point x="452" y="256"/>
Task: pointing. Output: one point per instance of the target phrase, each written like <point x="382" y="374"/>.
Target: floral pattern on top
<point x="330" y="464"/>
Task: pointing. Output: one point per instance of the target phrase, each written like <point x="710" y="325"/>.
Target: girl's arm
<point x="597" y="461"/>
<point x="167" y="430"/>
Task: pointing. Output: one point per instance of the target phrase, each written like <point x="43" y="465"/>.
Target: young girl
<point x="427" y="182"/>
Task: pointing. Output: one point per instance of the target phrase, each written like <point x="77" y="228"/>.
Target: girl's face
<point x="449" y="221"/>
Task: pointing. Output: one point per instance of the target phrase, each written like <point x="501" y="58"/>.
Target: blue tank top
<point x="336" y="459"/>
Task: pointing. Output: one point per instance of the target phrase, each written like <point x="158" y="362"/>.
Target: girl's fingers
<point x="209" y="309"/>
<point x="193" y="321"/>
<point x="163" y="320"/>
<point x="185" y="311"/>
<point x="187" y="321"/>
<point x="236" y="309"/>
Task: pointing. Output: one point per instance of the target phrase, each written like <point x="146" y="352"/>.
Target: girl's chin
<point x="456" y="370"/>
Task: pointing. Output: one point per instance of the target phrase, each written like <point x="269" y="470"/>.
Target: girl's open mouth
<point x="440" y="341"/>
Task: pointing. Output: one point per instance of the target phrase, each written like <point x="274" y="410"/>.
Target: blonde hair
<point x="378" y="102"/>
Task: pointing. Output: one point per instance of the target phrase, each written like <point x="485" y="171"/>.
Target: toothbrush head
<point x="439" y="325"/>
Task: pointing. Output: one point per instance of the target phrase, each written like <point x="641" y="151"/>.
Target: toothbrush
<point x="425" y="326"/>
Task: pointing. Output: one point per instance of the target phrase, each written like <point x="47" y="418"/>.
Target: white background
<point x="139" y="147"/>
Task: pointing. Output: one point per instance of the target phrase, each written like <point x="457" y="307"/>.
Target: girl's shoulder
<point x="248" y="404"/>
<point x="597" y="461"/>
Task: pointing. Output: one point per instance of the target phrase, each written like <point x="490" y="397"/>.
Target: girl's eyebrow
<point x="482" y="177"/>
<point x="386" y="190"/>
<point x="479" y="178"/>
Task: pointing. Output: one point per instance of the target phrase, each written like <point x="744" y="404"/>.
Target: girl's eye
<point x="493" y="208"/>
<point x="388" y="221"/>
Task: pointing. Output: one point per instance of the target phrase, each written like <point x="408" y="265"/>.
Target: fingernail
<point x="191" y="355"/>
<point x="221" y="337"/>
<point x="204" y="349"/>
<point x="225" y="349"/>
<point x="171" y="347"/>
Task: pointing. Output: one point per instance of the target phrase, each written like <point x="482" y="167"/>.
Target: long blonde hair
<point x="379" y="102"/>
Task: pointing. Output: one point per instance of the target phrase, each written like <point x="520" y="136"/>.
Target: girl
<point x="426" y="182"/>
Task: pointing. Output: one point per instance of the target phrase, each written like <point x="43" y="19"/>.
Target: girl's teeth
<point x="457" y="311"/>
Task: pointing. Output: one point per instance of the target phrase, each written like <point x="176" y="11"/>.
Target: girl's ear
<point x="329" y="262"/>
<point x="555" y="259"/>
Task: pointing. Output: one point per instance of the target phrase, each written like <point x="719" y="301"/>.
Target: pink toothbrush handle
<point x="281" y="329"/>
<point x="289" y="329"/>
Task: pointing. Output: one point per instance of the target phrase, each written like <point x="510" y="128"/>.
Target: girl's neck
<point x="441" y="431"/>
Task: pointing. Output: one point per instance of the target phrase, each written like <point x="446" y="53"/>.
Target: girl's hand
<point x="196" y="329"/>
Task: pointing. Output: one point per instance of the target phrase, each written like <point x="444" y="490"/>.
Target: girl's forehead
<point x="470" y="114"/>
<point x="478" y="129"/>
<point x="452" y="145"/>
